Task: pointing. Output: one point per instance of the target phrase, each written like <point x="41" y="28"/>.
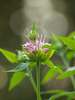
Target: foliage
<point x="70" y="95"/>
<point x="16" y="79"/>
<point x="67" y="73"/>
<point x="64" y="47"/>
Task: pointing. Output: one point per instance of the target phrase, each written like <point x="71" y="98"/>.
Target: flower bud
<point x="32" y="35"/>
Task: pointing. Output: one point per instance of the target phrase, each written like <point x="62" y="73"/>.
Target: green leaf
<point x="9" y="55"/>
<point x="53" y="92"/>
<point x="72" y="35"/>
<point x="70" y="55"/>
<point x="50" y="64"/>
<point x="72" y="94"/>
<point x="69" y="72"/>
<point x="20" y="67"/>
<point x="49" y="75"/>
<point x="58" y="45"/>
<point x="69" y="42"/>
<point x="16" y="79"/>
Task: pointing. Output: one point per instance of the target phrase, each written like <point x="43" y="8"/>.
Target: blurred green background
<point x="56" y="16"/>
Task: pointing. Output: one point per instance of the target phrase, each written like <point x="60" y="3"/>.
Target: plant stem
<point x="38" y="81"/>
<point x="67" y="66"/>
<point x="33" y="83"/>
<point x="32" y="80"/>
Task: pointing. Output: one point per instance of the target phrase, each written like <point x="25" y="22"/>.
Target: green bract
<point x="40" y="55"/>
<point x="21" y="56"/>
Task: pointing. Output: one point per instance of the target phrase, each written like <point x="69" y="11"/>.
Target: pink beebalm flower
<point x="33" y="47"/>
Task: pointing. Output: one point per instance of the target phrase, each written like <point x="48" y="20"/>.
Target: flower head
<point x="33" y="47"/>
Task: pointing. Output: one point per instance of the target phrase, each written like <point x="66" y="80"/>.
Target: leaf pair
<point x="70" y="95"/>
<point x="59" y="93"/>
<point x="17" y="76"/>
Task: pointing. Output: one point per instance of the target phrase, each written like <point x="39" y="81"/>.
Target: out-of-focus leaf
<point x="51" y="65"/>
<point x="69" y="42"/>
<point x="49" y="75"/>
<point x="16" y="79"/>
<point x="58" y="45"/>
<point x="53" y="92"/>
<point x="20" y="67"/>
<point x="72" y="94"/>
<point x="72" y="35"/>
<point x="9" y="55"/>
<point x="69" y="72"/>
<point x="70" y="55"/>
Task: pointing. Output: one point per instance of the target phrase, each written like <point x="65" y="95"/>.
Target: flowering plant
<point x="36" y="51"/>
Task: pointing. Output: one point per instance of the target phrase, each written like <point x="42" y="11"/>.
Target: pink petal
<point x="41" y="38"/>
<point x="37" y="42"/>
<point x="27" y="44"/>
<point x="45" y="49"/>
<point x="44" y="39"/>
<point x="27" y="48"/>
<point x="40" y="44"/>
<point x="47" y="44"/>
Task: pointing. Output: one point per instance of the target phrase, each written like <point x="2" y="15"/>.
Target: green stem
<point x="67" y="66"/>
<point x="33" y="83"/>
<point x="32" y="80"/>
<point x="38" y="81"/>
